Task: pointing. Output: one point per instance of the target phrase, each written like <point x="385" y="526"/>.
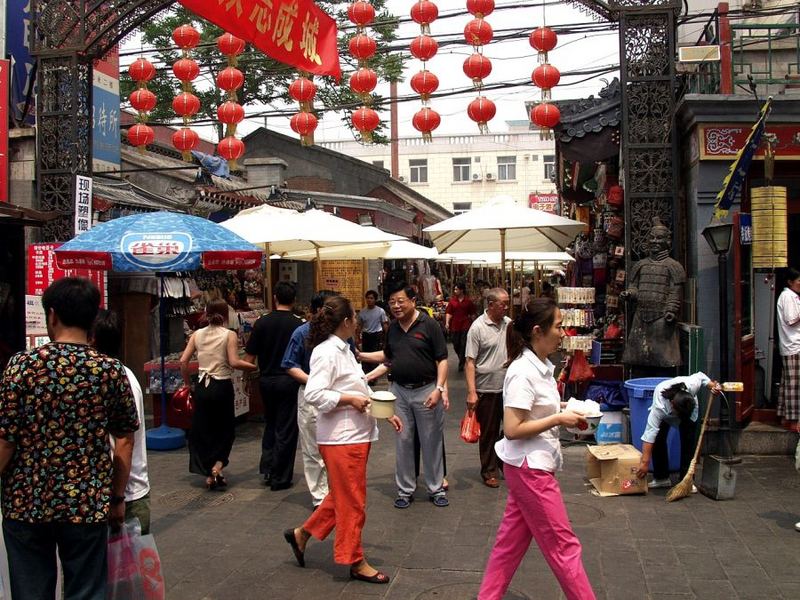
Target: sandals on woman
<point x="219" y="481"/>
<point x="377" y="578"/>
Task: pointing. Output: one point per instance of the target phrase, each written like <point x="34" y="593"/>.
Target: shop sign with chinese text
<point x="83" y="204"/>
<point x="545" y="202"/>
<point x="723" y="142"/>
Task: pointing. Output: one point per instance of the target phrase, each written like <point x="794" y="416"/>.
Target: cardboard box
<point x="611" y="469"/>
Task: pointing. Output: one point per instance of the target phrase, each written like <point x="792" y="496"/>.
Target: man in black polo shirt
<point x="268" y="341"/>
<point x="417" y="355"/>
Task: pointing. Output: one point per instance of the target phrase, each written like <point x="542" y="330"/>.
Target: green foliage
<point x="266" y="80"/>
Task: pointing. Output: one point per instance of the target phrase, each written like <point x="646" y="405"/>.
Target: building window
<point x="550" y="167"/>
<point x="461" y="207"/>
<point x="377" y="163"/>
<point x="507" y="168"/>
<point x="418" y="170"/>
<point x="461" y="169"/>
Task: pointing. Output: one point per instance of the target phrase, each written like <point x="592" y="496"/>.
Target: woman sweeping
<point x="213" y="420"/>
<point x="532" y="454"/>
<point x="337" y="386"/>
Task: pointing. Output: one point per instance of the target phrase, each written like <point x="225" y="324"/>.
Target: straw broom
<point x="684" y="487"/>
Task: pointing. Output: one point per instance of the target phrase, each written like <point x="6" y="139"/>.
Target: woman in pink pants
<point x="531" y="454"/>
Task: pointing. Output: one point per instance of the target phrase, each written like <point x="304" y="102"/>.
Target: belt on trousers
<point x="414" y="386"/>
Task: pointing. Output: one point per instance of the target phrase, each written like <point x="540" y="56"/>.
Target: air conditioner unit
<point x="490" y="177"/>
<point x="402" y="178"/>
<point x="477" y="177"/>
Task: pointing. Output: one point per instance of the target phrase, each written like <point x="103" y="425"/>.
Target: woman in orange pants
<point x="345" y="431"/>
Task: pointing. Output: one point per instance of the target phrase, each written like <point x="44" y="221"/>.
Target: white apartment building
<point x="460" y="172"/>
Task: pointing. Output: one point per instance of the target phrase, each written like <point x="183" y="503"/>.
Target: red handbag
<point x="182" y="400"/>
<point x="470" y="428"/>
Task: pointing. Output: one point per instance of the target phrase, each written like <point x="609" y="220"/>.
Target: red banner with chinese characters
<point x="545" y="202"/>
<point x="5" y="65"/>
<point x="44" y="270"/>
<point x="722" y="142"/>
<point x="294" y="32"/>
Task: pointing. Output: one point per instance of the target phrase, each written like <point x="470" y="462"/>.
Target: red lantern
<point x="230" y="79"/>
<point x="231" y="149"/>
<point x="230" y="45"/>
<point x="366" y="120"/>
<point x="363" y="81"/>
<point x="425" y="121"/>
<point x="302" y="90"/>
<point x="230" y="113"/>
<point x="543" y="39"/>
<point x="424" y="12"/>
<point x="424" y="47"/>
<point x="185" y="36"/>
<point x="481" y="110"/>
<point x="361" y="13"/>
<point x="480" y="8"/>
<point x="304" y="124"/>
<point x="477" y="67"/>
<point x="546" y="76"/>
<point x="140" y="135"/>
<point x="186" y="69"/>
<point x="143" y="100"/>
<point x="424" y="83"/>
<point x="546" y="115"/>
<point x="186" y="104"/>
<point x="478" y="32"/>
<point x="185" y="140"/>
<point x="362" y="46"/>
<point x="141" y="70"/>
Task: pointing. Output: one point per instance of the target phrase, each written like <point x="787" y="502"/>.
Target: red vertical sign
<point x="43" y="270"/>
<point x="5" y="65"/>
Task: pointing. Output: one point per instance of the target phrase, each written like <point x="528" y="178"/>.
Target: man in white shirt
<point x="371" y="327"/>
<point x="789" y="342"/>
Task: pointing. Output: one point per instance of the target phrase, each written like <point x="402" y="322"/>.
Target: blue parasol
<point x="159" y="242"/>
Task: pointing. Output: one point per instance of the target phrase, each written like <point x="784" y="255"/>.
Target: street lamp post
<point x="718" y="237"/>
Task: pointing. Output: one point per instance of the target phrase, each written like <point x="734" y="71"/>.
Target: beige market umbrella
<point x="503" y="225"/>
<point x="386" y="250"/>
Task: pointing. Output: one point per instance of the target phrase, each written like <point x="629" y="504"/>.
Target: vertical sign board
<point x="106" y="113"/>
<point x="18" y="26"/>
<point x="83" y="204"/>
<point x="42" y="271"/>
<point x="5" y="67"/>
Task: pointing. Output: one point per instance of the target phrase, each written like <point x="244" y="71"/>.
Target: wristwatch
<point x="117" y="500"/>
<point x="441" y="388"/>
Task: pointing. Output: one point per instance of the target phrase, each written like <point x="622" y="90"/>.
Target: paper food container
<point x="382" y="405"/>
<point x="612" y="468"/>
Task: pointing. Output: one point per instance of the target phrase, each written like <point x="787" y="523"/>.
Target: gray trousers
<point x="429" y="424"/>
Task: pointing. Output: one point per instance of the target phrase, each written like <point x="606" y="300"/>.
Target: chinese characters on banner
<point x="5" y="66"/>
<point x="106" y="113"/>
<point x="83" y="204"/>
<point x="545" y="202"/>
<point x="294" y="32"/>
<point x="42" y="271"/>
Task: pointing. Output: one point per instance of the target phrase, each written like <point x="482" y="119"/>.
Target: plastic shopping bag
<point x="149" y="567"/>
<point x="470" y="428"/>
<point x="134" y="566"/>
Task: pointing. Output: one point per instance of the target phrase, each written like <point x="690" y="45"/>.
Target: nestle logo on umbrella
<point x="156" y="249"/>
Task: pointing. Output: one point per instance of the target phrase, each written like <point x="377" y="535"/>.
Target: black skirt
<point x="213" y="426"/>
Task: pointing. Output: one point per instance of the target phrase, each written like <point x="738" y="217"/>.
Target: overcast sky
<point x="512" y="60"/>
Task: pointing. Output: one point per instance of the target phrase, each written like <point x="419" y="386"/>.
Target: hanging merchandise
<point x="425" y="83"/>
<point x="186" y="104"/>
<point x="364" y="119"/>
<point x="230" y="113"/>
<point x="303" y="91"/>
<point x="143" y="101"/>
<point x="545" y="76"/>
<point x="477" y="34"/>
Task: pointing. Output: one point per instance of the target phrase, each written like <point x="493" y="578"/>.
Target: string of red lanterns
<point x="143" y="101"/>
<point x="186" y="104"/>
<point x="304" y="123"/>
<point x="230" y="112"/>
<point x="365" y="120"/>
<point x="545" y="76"/>
<point x="477" y="67"/>
<point x="425" y="83"/>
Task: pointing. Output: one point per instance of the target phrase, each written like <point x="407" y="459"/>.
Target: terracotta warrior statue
<point x="655" y="286"/>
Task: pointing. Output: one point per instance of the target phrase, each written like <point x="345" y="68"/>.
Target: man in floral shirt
<point x="60" y="490"/>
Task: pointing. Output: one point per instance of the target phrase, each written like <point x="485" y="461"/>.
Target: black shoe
<point x="277" y="487"/>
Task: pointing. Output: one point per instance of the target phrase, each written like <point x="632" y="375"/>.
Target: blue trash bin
<point x="640" y="398"/>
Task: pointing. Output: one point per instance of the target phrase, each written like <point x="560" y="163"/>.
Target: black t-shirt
<point x="269" y="338"/>
<point x="414" y="353"/>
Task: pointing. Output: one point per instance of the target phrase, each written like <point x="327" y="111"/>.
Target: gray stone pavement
<point x="229" y="546"/>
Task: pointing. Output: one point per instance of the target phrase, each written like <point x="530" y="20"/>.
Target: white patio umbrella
<point x="493" y="258"/>
<point x="503" y="225"/>
<point x="280" y="231"/>
<point x="386" y="250"/>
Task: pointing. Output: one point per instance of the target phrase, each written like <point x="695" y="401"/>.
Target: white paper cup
<point x="382" y="405"/>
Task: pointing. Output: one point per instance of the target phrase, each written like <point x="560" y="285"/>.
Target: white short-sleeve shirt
<point x="529" y="385"/>
<point x="789" y="322"/>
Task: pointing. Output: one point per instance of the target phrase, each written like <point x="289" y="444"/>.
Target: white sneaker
<point x="659" y="483"/>
<point x="797" y="526"/>
<point x="694" y="489"/>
